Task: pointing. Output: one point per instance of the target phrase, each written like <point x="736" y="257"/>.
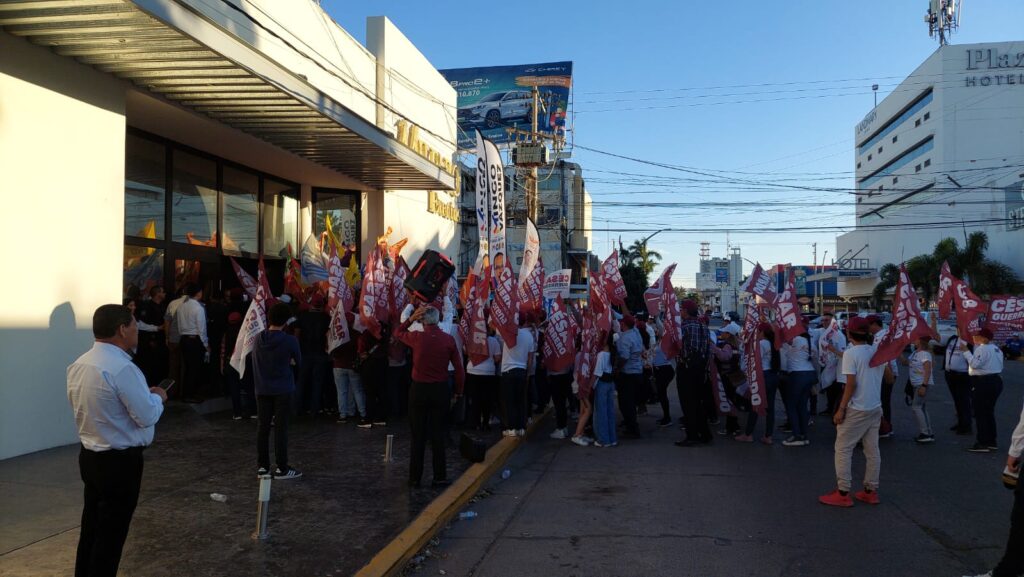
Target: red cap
<point x="858" y="325"/>
<point x="873" y="320"/>
<point x="235" y="318"/>
<point x="689" y="306"/>
<point x="628" y="320"/>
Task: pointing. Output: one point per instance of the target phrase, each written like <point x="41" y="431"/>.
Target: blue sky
<point x="761" y="92"/>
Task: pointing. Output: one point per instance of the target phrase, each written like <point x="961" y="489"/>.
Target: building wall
<point x="406" y="213"/>
<point x="977" y="136"/>
<point x="62" y="130"/>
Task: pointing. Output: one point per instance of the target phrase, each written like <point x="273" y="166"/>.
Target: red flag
<point x="1006" y="316"/>
<point x="672" y="339"/>
<point x="339" y="302"/>
<point x="531" y="290"/>
<point x="612" y="278"/>
<point x="907" y="323"/>
<point x="558" y="338"/>
<point x="398" y="296"/>
<point x="757" y="386"/>
<point x="505" y="309"/>
<point x="292" y="279"/>
<point x="787" y="310"/>
<point x="373" y="301"/>
<point x="473" y="324"/>
<point x="760" y="283"/>
<point x="590" y="346"/>
<point x="969" y="309"/>
<point x="947" y="286"/>
<point x="248" y="283"/>
<point x="599" y="303"/>
<point x="254" y="323"/>
<point x="653" y="295"/>
<point x="723" y="403"/>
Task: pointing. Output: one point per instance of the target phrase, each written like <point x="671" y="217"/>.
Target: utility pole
<point x="531" y="183"/>
<point x="815" y="245"/>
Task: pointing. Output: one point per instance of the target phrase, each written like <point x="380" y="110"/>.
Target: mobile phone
<point x="166" y="384"/>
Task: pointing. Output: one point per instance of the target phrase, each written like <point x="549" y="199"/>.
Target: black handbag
<point x="472" y="449"/>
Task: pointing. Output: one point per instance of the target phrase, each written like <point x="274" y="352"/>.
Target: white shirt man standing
<point x="115" y="413"/>
<point x="190" y="318"/>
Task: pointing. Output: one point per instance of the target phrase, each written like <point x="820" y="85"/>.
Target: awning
<point x="206" y="69"/>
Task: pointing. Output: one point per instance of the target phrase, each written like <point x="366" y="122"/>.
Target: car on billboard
<point x="498" y="108"/>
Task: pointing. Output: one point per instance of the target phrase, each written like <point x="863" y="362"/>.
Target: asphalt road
<point x="649" y="508"/>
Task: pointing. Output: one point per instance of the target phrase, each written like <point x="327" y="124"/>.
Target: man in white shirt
<point x="959" y="383"/>
<point x="190" y="318"/>
<point x="984" y="365"/>
<point x="515" y="365"/>
<point x="115" y="413"/>
<point x="878" y="332"/>
<point x="857" y="418"/>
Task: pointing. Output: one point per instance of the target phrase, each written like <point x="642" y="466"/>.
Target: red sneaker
<point x="869" y="498"/>
<point x="836" y="499"/>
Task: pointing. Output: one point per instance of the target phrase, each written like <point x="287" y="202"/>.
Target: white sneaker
<point x="989" y="574"/>
<point x="520" y="432"/>
<point x="581" y="441"/>
<point x="559" y="434"/>
<point x="508" y="433"/>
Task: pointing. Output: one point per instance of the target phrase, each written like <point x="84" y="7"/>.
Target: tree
<point x="640" y="255"/>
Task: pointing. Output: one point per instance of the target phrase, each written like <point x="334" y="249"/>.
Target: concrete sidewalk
<point x="332" y="521"/>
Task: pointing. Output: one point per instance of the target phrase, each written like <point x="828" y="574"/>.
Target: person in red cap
<point x="857" y="418"/>
<point x="985" y="365"/>
<point x="692" y="375"/>
<point x="878" y="331"/>
<point x="241" y="409"/>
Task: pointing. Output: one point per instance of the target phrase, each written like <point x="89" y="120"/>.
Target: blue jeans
<point x="604" y="412"/>
<point x="350" y="387"/>
<point x="799" y="393"/>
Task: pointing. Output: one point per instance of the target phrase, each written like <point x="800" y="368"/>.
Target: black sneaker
<point x="922" y="438"/>
<point x="262" y="471"/>
<point x="342" y="420"/>
<point x="979" y="448"/>
<point x="291" y="473"/>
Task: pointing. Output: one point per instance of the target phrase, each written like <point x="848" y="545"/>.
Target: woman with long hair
<point x="802" y="376"/>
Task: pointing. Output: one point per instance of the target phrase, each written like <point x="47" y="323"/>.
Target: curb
<point x="394" y="557"/>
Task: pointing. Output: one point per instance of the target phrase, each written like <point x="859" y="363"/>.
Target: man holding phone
<point x="115" y="413"/>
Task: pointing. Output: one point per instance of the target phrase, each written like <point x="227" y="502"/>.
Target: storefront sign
<point x="409" y="135"/>
<point x="999" y="69"/>
<point x="443" y="207"/>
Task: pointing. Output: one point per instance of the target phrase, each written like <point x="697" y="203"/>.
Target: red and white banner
<point x="1005" y="317"/>
<point x="590" y="345"/>
<point x="398" y="296"/>
<point x="373" y="301"/>
<point x="760" y="283"/>
<point x="473" y="324"/>
<point x="653" y="296"/>
<point x="557" y="284"/>
<point x="787" y="309"/>
<point x="752" y="360"/>
<point x="490" y="179"/>
<point x="264" y="283"/>
<point x="723" y="404"/>
<point x="254" y="323"/>
<point x="505" y="308"/>
<point x="614" y="288"/>
<point x="970" y="309"/>
<point x="248" y="283"/>
<point x="907" y="323"/>
<point x="599" y="303"/>
<point x="531" y="252"/>
<point x="947" y="287"/>
<point x="672" y="339"/>
<point x="559" y="336"/>
<point x="531" y="290"/>
<point x="339" y="302"/>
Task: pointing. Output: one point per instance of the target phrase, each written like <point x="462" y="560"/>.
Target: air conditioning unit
<point x="528" y="154"/>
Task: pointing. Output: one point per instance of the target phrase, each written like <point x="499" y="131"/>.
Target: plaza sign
<point x="1008" y="68"/>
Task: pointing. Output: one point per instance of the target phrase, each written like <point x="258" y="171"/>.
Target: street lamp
<point x="818" y="293"/>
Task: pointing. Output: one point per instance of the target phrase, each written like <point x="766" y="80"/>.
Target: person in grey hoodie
<point x="273" y="357"/>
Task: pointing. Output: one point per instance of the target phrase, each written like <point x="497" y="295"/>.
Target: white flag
<point x="490" y="176"/>
<point x="255" y="322"/>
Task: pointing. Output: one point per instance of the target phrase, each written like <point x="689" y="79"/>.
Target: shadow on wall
<point x="34" y="410"/>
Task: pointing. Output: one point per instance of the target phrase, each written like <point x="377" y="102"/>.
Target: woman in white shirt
<point x="770" y="364"/>
<point x="984" y="365"/>
<point x="604" y="398"/>
<point x="802" y="376"/>
<point x="920" y="363"/>
<point x="482" y="384"/>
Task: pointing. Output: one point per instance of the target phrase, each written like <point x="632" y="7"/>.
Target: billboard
<point x="494" y="98"/>
<point x="722" y="275"/>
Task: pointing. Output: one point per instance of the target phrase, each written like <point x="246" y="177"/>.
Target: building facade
<point x="148" y="142"/>
<point x="719" y="281"/>
<point x="941" y="156"/>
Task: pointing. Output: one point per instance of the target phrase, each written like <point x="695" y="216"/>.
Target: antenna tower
<point x="943" y="18"/>
<point x="705" y="250"/>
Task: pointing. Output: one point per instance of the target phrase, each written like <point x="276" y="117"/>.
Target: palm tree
<point x="643" y="257"/>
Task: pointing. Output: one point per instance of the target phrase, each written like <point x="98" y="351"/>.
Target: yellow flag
<point x="352" y="276"/>
<point x="335" y="243"/>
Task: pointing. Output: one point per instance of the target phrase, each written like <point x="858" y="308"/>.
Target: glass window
<point x="143" y="267"/>
<point x="343" y="210"/>
<point x="280" y="217"/>
<point x="194" y="204"/>
<point x="241" y="211"/>
<point x="145" y="186"/>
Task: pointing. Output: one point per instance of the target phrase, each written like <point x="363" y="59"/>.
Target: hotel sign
<point x="994" y="69"/>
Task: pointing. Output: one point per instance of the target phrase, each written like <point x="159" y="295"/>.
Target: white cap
<point x="731" y="328"/>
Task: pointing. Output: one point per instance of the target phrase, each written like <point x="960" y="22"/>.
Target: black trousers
<point x="243" y="402"/>
<point x="428" y="405"/>
<point x="276" y="407"/>
<point x="694" y="388"/>
<point x="373" y="376"/>
<point x="112" y="480"/>
<point x="1012" y="564"/>
<point x="561" y="390"/>
<point x="663" y="375"/>
<point x="887" y="400"/>
<point x="481" y="390"/>
<point x="513" y="399"/>
<point x="629" y="386"/>
<point x="960" y="388"/>
<point x="152" y="356"/>
<point x="987" y="389"/>
<point x="192" y="352"/>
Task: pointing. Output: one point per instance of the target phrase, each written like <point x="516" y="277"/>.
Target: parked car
<point x="716" y="315"/>
<point x="495" y="109"/>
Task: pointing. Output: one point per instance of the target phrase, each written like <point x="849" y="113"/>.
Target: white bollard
<point x="263" y="508"/>
<point x="388" y="447"/>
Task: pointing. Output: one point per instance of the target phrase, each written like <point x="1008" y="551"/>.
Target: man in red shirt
<point x="432" y="351"/>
